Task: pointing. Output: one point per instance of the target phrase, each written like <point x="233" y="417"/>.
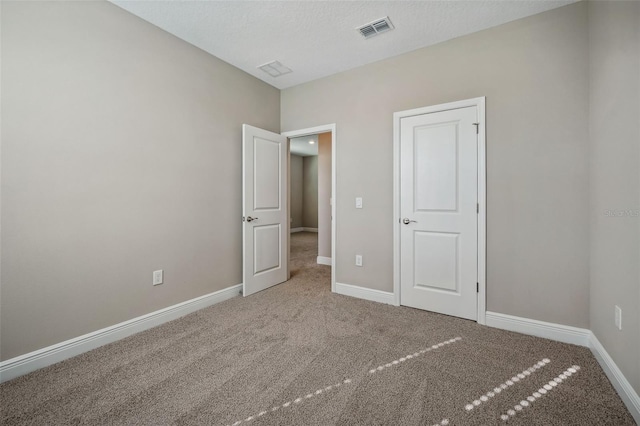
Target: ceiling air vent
<point x="275" y="69"/>
<point x="376" y="27"/>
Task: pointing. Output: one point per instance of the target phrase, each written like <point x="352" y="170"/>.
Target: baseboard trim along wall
<point x="35" y="360"/>
<point x="576" y="336"/>
<point x="302" y="229"/>
<point x="560" y="333"/>
<point x="620" y="383"/>
<point x="323" y="260"/>
<point x="365" y="293"/>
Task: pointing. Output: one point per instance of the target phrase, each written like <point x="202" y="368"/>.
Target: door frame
<point x="312" y="131"/>
<point x="479" y="103"/>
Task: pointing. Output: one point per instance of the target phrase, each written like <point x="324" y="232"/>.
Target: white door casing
<point x="264" y="208"/>
<point x="334" y="152"/>
<point x="439" y="237"/>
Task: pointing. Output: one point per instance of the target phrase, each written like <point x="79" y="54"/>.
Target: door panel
<point x="264" y="209"/>
<point x="266" y="176"/>
<point x="438" y="198"/>
<point x="435" y="257"/>
<point x="436" y="167"/>
<point x="265" y="239"/>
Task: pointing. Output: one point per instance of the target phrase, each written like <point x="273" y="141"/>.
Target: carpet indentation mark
<point x="414" y="355"/>
<point x="551" y="385"/>
<point x="510" y="382"/>
<point x="292" y="402"/>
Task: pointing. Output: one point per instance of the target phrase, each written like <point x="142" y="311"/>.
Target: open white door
<point x="264" y="209"/>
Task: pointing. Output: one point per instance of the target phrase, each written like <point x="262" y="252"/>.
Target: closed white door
<point x="438" y="212"/>
<point x="264" y="209"/>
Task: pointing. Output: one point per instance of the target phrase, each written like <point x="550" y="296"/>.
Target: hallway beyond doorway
<point x="304" y="251"/>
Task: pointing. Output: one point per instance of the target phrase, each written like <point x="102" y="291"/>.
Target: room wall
<point x="533" y="73"/>
<point x="121" y="154"/>
<point x="614" y="117"/>
<point x="295" y="178"/>
<point x="324" y="194"/>
<point x="310" y="191"/>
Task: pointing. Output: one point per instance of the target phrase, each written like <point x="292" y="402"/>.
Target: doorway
<point x="266" y="206"/>
<point x="439" y="206"/>
<point x="313" y="186"/>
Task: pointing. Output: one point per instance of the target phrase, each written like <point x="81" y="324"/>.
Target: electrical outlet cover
<point x="158" y="277"/>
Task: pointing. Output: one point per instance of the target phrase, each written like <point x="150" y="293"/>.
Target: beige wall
<point x="614" y="36"/>
<point x="324" y="194"/>
<point x="121" y="154"/>
<point x="534" y="75"/>
<point x="295" y="178"/>
<point x="304" y="191"/>
<point x="310" y="191"/>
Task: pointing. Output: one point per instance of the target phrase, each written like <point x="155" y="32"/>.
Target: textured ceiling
<point x="318" y="38"/>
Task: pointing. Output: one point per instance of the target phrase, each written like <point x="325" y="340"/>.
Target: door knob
<point x="407" y="221"/>
<point x="251" y="219"/>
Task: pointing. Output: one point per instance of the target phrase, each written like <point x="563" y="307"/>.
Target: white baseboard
<point x="302" y="229"/>
<point x="365" y="293"/>
<point x="323" y="260"/>
<point x="620" y="383"/>
<point x="35" y="360"/>
<point x="548" y="330"/>
<point x="576" y="336"/>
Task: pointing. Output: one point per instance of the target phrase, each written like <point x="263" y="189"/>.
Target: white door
<point x="264" y="209"/>
<point x="438" y="211"/>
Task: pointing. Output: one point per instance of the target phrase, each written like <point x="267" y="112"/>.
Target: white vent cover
<point x="275" y="69"/>
<point x="376" y="27"/>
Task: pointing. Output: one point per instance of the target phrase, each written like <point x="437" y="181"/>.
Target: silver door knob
<point x="251" y="219"/>
<point x="407" y="221"/>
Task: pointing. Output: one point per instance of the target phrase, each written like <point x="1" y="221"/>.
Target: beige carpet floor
<point x="297" y="354"/>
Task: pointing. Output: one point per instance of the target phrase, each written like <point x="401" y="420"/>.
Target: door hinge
<point x="477" y="207"/>
<point x="477" y="287"/>
<point x="477" y="128"/>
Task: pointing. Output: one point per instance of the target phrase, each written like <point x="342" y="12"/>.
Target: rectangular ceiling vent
<point x="275" y="69"/>
<point x="376" y="27"/>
